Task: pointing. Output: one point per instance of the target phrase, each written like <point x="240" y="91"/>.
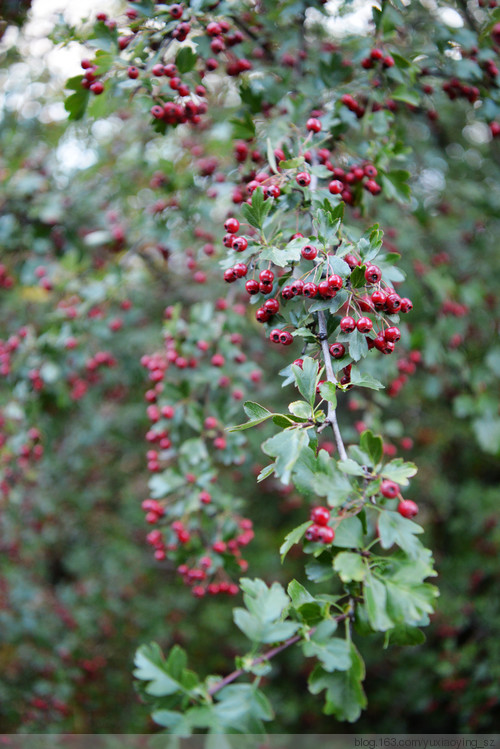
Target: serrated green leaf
<point x="350" y="566"/>
<point x="293" y="538"/>
<point x="399" y="471"/>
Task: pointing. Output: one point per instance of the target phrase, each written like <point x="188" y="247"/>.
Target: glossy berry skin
<point x="303" y="179"/>
<point x="385" y="347"/>
<point x="230" y="275"/>
<point x="232" y="225"/>
<point x="320" y="515"/>
<point x="379" y="299"/>
<point x="240" y="269"/>
<point x="406" y="305"/>
<point x="325" y="290"/>
<point x="274" y="335"/>
<point x="373" y="274"/>
<point x="240" y="244"/>
<point x="252" y="287"/>
<point x="335" y="282"/>
<point x="389" y="489"/>
<point x="310" y="290"/>
<point x="158" y="70"/>
<point x="97" y="88"/>
<point x="364" y="324"/>
<point x="287" y="293"/>
<point x="392" y="334"/>
<point x="262" y="315"/>
<point x="335" y="187"/>
<point x="133" y="72"/>
<point x="313" y="125"/>
<point x="272" y="306"/>
<point x="407" y="508"/>
<point x="286" y="338"/>
<point x="337" y="350"/>
<point x="372" y="187"/>
<point x="393" y="304"/>
<point x="352" y="261"/>
<point x="309" y="252"/>
<point x="266" y="276"/>
<point x="297" y="287"/>
<point x="228" y="240"/>
<point x="347" y="324"/>
<point x="265" y="288"/>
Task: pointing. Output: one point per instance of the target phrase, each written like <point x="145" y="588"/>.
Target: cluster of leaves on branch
<point x="298" y="151"/>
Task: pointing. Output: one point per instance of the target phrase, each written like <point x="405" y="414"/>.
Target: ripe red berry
<point x="385" y="347"/>
<point x="240" y="269"/>
<point x="407" y="508"/>
<point x="373" y="187"/>
<point x="287" y="293"/>
<point x="337" y="350"/>
<point x="303" y="179"/>
<point x="232" y="225"/>
<point x="364" y="324"/>
<point x="352" y="261"/>
<point x="335" y="282"/>
<point x="240" y="244"/>
<point x="266" y="276"/>
<point x="274" y="335"/>
<point x="272" y="306"/>
<point x="176" y="11"/>
<point x="373" y="274"/>
<point x="158" y="69"/>
<point x="370" y="171"/>
<point x="347" y="324"/>
<point x="392" y="334"/>
<point x="325" y="534"/>
<point x="379" y="299"/>
<point x="286" y="338"/>
<point x="97" y="88"/>
<point x="393" y="303"/>
<point x="310" y="289"/>
<point x="389" y="489"/>
<point x="313" y="125"/>
<point x="309" y="252"/>
<point x="325" y="290"/>
<point x="230" y="275"/>
<point x="335" y="187"/>
<point x="320" y="515"/>
<point x="133" y="72"/>
<point x="252" y="287"/>
<point x="228" y="240"/>
<point x="262" y="315"/>
<point x="406" y="305"/>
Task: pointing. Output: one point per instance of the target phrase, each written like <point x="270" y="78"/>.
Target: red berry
<point x="406" y="305"/>
<point x="286" y="338"/>
<point x="252" y="287"/>
<point x="392" y="334"/>
<point x="335" y="282"/>
<point x="347" y="324"/>
<point x="393" y="303"/>
<point x="266" y="276"/>
<point x="320" y="515"/>
<point x="389" y="489"/>
<point x="313" y="125"/>
<point x="240" y="269"/>
<point x="232" y="225"/>
<point x="230" y="275"/>
<point x="335" y="187"/>
<point x="310" y="289"/>
<point x="97" y="88"/>
<point x="274" y="335"/>
<point x="373" y="274"/>
<point x="325" y="290"/>
<point x="309" y="252"/>
<point x="372" y="187"/>
<point x="262" y="315"/>
<point x="158" y="69"/>
<point x="272" y="306"/>
<point x="364" y="324"/>
<point x="303" y="179"/>
<point x="133" y="72"/>
<point x="337" y="350"/>
<point x="379" y="299"/>
<point x="407" y="508"/>
<point x="240" y="244"/>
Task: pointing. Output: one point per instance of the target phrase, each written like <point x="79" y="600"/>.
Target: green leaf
<point x="375" y="595"/>
<point x="244" y="129"/>
<point x="293" y="538"/>
<point x="351" y="467"/>
<point x="328" y="391"/>
<point x="241" y="708"/>
<point x="306" y="378"/>
<point x="271" y="158"/>
<point x="301" y="409"/>
<point x="373" y="445"/>
<point x="298" y="594"/>
<point x="349" y="534"/>
<point x="76" y="104"/>
<point x="365" y="380"/>
<point x="350" y="566"/>
<point x="395" y="185"/>
<point x="286" y="448"/>
<point x="320" y="569"/>
<point x="404" y="634"/>
<point x="402" y="93"/>
<point x="256" y="413"/>
<point x="333" y="652"/>
<point x="186" y="59"/>
<point x="358" y="277"/>
<point x="345" y="697"/>
<point x="258" y="210"/>
<point x="399" y="471"/>
<point x="164" y="677"/>
<point x="395" y="529"/>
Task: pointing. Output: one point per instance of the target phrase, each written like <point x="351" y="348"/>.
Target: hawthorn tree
<point x="260" y="176"/>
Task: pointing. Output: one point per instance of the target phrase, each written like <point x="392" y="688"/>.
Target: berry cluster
<point x="319" y="530"/>
<point x="406" y="507"/>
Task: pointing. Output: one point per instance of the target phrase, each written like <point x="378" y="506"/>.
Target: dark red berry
<point x="309" y="252"/>
<point x="297" y="287"/>
<point x="266" y="276"/>
<point x="337" y="350"/>
<point x="286" y="338"/>
<point x="335" y="282"/>
<point x="406" y="305"/>
<point x="310" y="289"/>
<point x="392" y="334"/>
<point x="272" y="306"/>
<point x="303" y="179"/>
<point x="230" y="275"/>
<point x="373" y="274"/>
<point x="364" y="324"/>
<point x="232" y="225"/>
<point x="347" y="324"/>
<point x="252" y="287"/>
<point x="240" y="244"/>
<point x="274" y="335"/>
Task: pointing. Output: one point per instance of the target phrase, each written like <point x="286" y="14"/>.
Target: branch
<point x="332" y="414"/>
<point x="265" y="657"/>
